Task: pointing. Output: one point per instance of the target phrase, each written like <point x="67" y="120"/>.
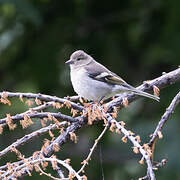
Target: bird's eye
<point x="78" y="59"/>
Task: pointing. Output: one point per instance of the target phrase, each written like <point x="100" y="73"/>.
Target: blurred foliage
<point x="136" y="39"/>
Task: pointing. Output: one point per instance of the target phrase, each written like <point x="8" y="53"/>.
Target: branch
<point x="134" y="140"/>
<point x="169" y="111"/>
<point x="60" y="140"/>
<point x="41" y="115"/>
<point x="34" y="109"/>
<point x="40" y="160"/>
<point x="156" y="167"/>
<point x="42" y="97"/>
<point x="85" y="162"/>
<point x="65" y="136"/>
<point x="30" y="136"/>
<point x="80" y="121"/>
<point x="160" y="82"/>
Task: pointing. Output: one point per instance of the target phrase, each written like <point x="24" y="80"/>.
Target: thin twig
<point x="63" y="163"/>
<point x="169" y="111"/>
<point x="60" y="173"/>
<point x="85" y="162"/>
<point x="34" y="109"/>
<point x="156" y="167"/>
<point x="30" y="136"/>
<point x="42" y="97"/>
<point x="135" y="144"/>
<point x="60" y="140"/>
<point x="49" y="175"/>
<point x="41" y="115"/>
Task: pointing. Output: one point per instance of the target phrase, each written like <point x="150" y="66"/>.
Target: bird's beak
<point x="69" y="62"/>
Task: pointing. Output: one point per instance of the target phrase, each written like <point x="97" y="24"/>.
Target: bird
<point x="94" y="82"/>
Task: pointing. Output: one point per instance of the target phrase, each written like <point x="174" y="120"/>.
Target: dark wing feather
<point x="100" y="73"/>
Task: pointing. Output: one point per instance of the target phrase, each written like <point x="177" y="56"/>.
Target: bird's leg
<point x="100" y="99"/>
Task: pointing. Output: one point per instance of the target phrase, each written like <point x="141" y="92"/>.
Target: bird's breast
<point x="87" y="87"/>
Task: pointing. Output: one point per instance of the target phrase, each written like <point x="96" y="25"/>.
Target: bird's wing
<point x="100" y="73"/>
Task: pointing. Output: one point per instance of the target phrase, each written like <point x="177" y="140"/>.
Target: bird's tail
<point x="142" y="93"/>
<point x="145" y="94"/>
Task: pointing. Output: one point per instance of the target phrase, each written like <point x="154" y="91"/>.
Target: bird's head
<point x="79" y="58"/>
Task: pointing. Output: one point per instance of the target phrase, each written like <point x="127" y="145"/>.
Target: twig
<point x="25" y="165"/>
<point x="47" y="174"/>
<point x="34" y="109"/>
<point x="165" y="117"/>
<point x="160" y="82"/>
<point x="160" y="164"/>
<point x="41" y="107"/>
<point x="61" y="139"/>
<point x="42" y="97"/>
<point x="136" y="144"/>
<point x="156" y="167"/>
<point x="30" y="136"/>
<point x="85" y="162"/>
<point x="60" y="173"/>
<point x="41" y="115"/>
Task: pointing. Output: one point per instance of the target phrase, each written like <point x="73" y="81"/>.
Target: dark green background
<point x="136" y="39"/>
